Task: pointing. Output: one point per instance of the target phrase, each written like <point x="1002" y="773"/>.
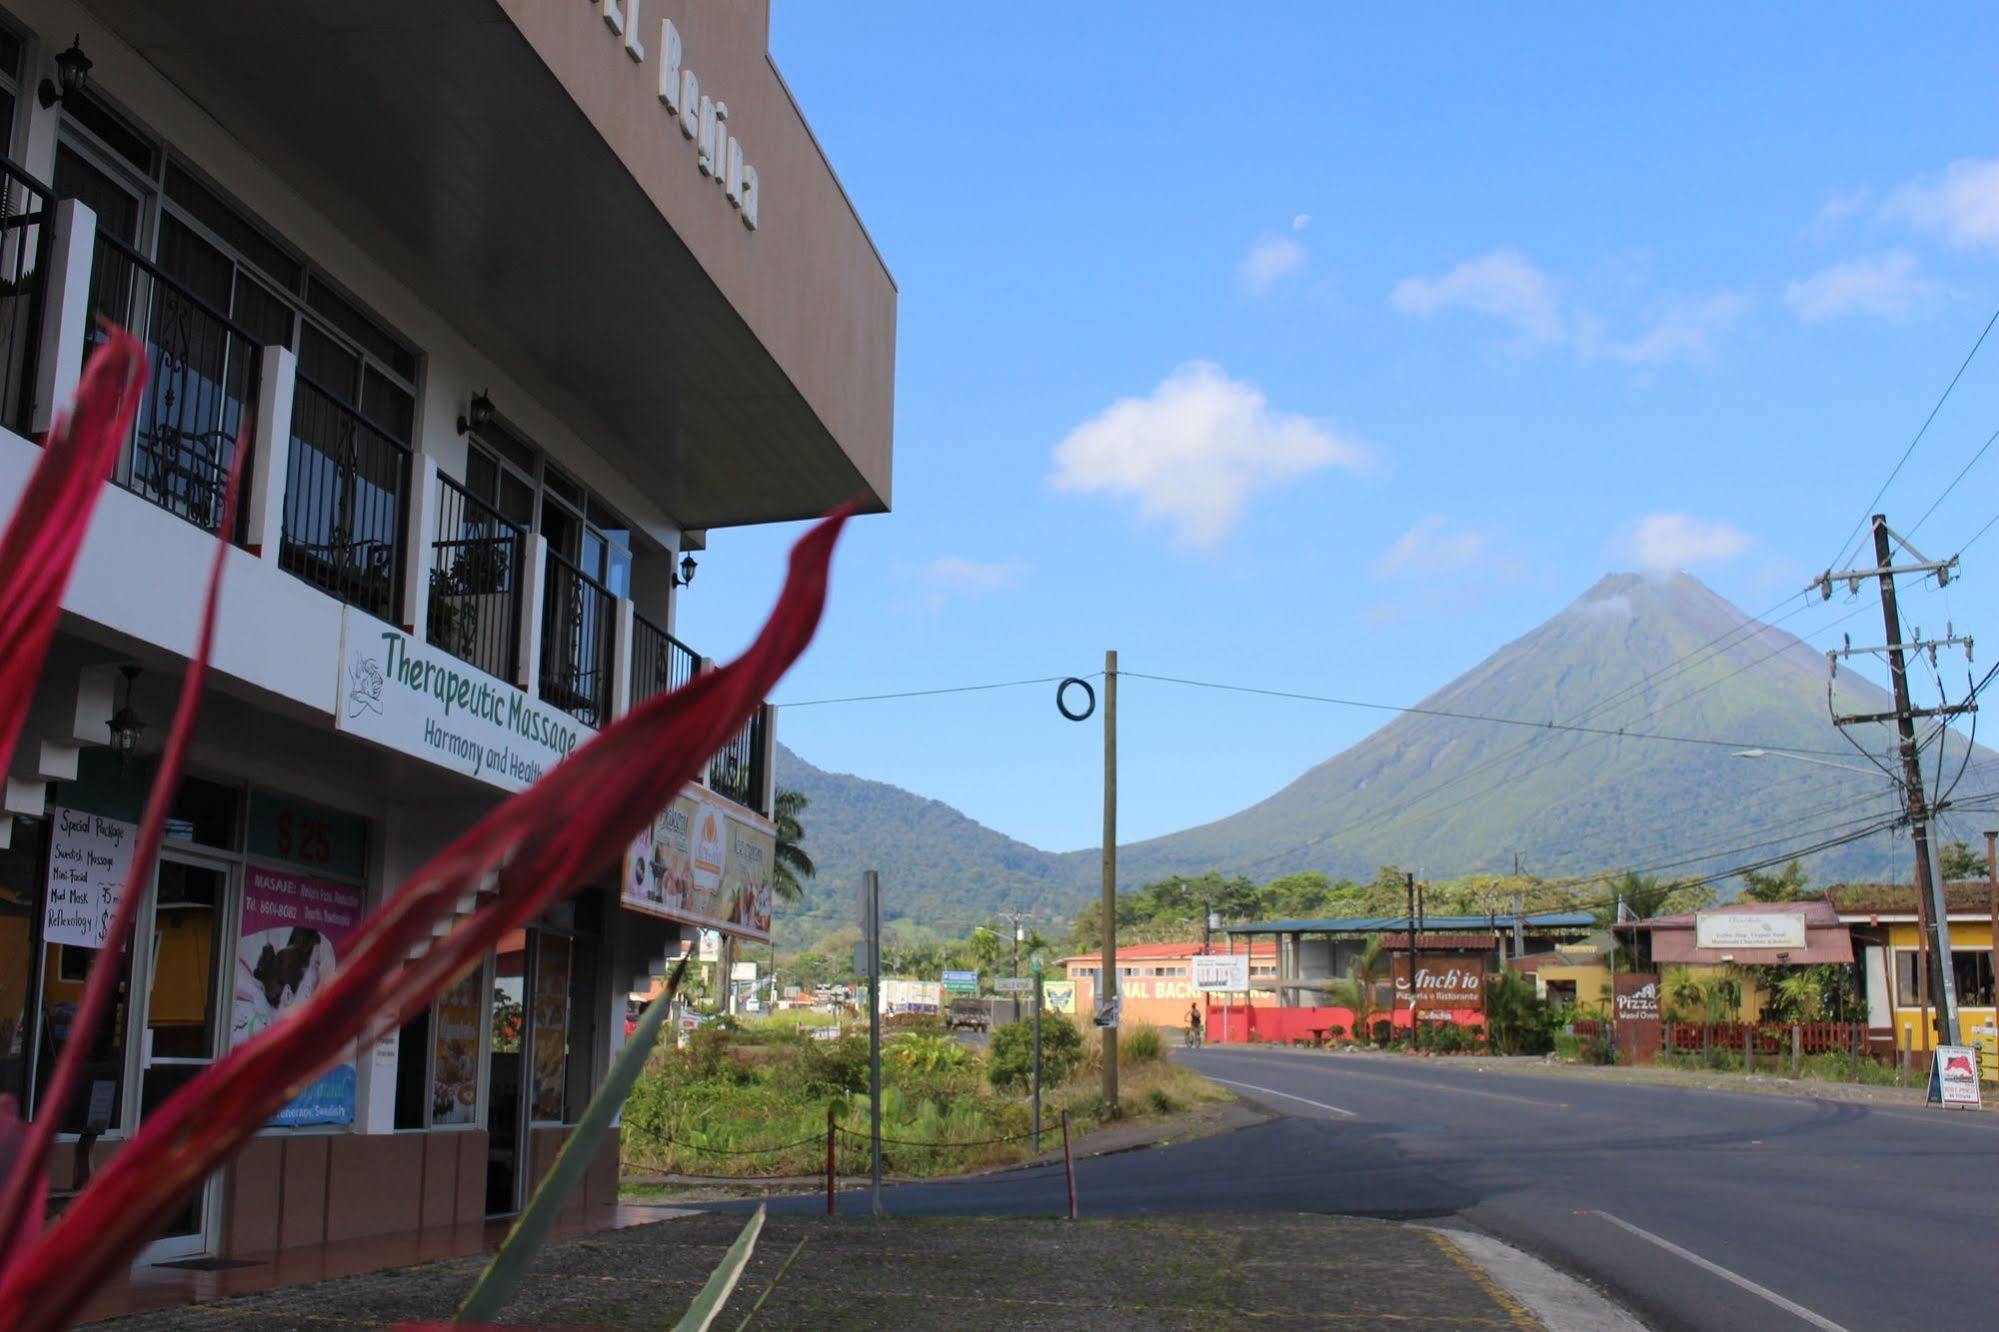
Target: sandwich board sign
<point x="1954" y="1076"/>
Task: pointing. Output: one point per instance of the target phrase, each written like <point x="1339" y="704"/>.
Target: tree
<point x="1787" y="885"/>
<point x="1516" y="1018"/>
<point x="1960" y="862"/>
<point x="1359" y="990"/>
<point x="790" y="866"/>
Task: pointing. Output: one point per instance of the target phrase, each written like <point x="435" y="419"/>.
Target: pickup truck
<point x="972" y="1014"/>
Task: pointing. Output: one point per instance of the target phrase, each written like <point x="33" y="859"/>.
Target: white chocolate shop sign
<point x="703" y="119"/>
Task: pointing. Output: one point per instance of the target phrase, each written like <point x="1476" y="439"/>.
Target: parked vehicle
<point x="971" y="1014"/>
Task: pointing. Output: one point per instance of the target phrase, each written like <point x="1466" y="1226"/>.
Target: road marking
<point x="1440" y="1082"/>
<point x="1272" y="1091"/>
<point x="1788" y="1306"/>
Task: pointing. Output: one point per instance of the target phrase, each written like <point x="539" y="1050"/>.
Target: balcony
<point x="331" y="502"/>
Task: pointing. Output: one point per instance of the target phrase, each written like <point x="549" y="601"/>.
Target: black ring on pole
<point x="1061" y="697"/>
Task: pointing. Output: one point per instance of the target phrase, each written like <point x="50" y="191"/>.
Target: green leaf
<point x="503" y="1276"/>
<point x="722" y="1281"/>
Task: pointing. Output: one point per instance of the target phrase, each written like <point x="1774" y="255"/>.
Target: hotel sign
<point x="703" y="118"/>
<point x="1749" y="929"/>
<point x="424" y="702"/>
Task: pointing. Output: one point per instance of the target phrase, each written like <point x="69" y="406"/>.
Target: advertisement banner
<point x="89" y="857"/>
<point x="455" y="1080"/>
<point x="1954" y="1076"/>
<point x="1445" y="982"/>
<point x="704" y="861"/>
<point x="911" y="996"/>
<point x="1221" y="971"/>
<point x="1749" y="929"/>
<point x="294" y="930"/>
<point x="1635" y="1012"/>
<point x="549" y="1014"/>
<point x="424" y="702"/>
<point x="1058" y="997"/>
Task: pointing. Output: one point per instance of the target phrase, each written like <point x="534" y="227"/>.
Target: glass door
<point x="182" y="1019"/>
<point x="506" y="1125"/>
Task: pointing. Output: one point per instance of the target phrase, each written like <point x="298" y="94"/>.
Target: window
<point x="509" y="473"/>
<point x="1971" y="969"/>
<point x="10" y="79"/>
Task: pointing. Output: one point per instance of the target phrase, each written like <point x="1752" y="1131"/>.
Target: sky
<point x="1327" y="350"/>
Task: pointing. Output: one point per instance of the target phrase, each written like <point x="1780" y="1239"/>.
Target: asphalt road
<point x="1697" y="1209"/>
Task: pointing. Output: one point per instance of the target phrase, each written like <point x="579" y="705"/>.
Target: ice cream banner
<point x="294" y="930"/>
<point x="704" y="861"/>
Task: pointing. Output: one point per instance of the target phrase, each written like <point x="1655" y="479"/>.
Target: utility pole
<point x="871" y="897"/>
<point x="1108" y="990"/>
<point x="1992" y="891"/>
<point x="1409" y="890"/>
<point x="1016" y="964"/>
<point x="1931" y="906"/>
<point x="1037" y="1053"/>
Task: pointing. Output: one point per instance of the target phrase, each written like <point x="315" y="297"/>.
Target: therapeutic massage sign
<point x="427" y="703"/>
<point x="295" y="930"/>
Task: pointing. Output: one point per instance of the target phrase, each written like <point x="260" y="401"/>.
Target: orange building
<point x="1155" y="981"/>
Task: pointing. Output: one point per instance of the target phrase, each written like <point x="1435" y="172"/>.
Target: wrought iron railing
<point x="576" y="634"/>
<point x="346" y="515"/>
<point x="660" y="662"/>
<point x="476" y="565"/>
<point x="26" y="209"/>
<point x="203" y="380"/>
<point x="737" y="770"/>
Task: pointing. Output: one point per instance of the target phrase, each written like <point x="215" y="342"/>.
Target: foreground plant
<point x="533" y="850"/>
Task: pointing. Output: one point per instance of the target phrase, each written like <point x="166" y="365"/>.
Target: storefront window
<point x="551" y="1027"/>
<point x="1971" y="968"/>
<point x="99" y="1098"/>
<point x="181" y="1004"/>
<point x="456" y="1055"/>
<point x="20" y="895"/>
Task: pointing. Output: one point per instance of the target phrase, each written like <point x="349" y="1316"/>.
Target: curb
<point x="1539" y="1294"/>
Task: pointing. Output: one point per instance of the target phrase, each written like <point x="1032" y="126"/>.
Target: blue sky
<point x="1327" y="350"/>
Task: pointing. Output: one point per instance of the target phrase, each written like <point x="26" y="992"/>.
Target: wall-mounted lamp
<point x="72" y="72"/>
<point x="686" y="574"/>
<point x="478" y="413"/>
<point x="126" y="726"/>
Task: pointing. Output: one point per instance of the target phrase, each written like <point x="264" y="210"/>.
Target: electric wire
<point x="932" y="693"/>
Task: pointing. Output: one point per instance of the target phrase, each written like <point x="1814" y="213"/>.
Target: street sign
<point x="1013" y="984"/>
<point x="961" y="982"/>
<point x="1221" y="971"/>
<point x="1954" y="1076"/>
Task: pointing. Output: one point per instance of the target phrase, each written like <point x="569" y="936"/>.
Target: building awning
<point x="1675" y="939"/>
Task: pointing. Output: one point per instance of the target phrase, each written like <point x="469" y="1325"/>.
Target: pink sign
<point x="294" y="931"/>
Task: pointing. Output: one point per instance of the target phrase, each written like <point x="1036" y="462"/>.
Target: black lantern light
<point x="687" y="567"/>
<point x="126" y="725"/>
<point x="72" y="72"/>
<point x="478" y="413"/>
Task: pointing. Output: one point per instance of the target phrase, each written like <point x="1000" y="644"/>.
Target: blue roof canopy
<point x="1382" y="924"/>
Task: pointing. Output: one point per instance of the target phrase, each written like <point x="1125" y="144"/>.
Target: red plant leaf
<point x="21" y="1203"/>
<point x="534" y="849"/>
<point x="39" y="548"/>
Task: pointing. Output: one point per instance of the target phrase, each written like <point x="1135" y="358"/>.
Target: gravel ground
<point x="1149" y="1273"/>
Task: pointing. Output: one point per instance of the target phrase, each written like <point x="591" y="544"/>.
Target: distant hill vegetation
<point x="1636" y="653"/>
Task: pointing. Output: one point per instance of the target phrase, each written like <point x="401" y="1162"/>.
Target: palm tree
<point x="1356" y="991"/>
<point x="790" y="866"/>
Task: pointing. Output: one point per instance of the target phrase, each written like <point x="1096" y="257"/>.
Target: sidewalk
<point x="1146" y="1273"/>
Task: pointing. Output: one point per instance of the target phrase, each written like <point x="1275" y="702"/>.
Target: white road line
<point x="1272" y="1091"/>
<point x="1788" y="1306"/>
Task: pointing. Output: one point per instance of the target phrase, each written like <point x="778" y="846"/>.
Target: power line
<point x="1962" y="473"/>
<point x="932" y="693"/>
<point x="1867" y="512"/>
<point x="1418" y="709"/>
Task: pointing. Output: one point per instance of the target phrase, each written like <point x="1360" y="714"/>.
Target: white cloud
<point x="1839" y="206"/>
<point x="1271" y="259"/>
<point x="1682" y="327"/>
<point x="1436" y="546"/>
<point x="1886" y="285"/>
<point x="1962" y="201"/>
<point x="1502" y="284"/>
<point x="1301" y="221"/>
<point x="1196" y="450"/>
<point x="950" y="578"/>
<point x="1664" y="542"/>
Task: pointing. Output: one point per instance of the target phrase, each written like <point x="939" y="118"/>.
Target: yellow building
<point x="1887" y="936"/>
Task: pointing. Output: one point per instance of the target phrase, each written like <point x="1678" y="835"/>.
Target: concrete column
<point x="65" y="311"/>
<point x="768" y="760"/>
<point x="621" y="657"/>
<point x="419" y="543"/>
<point x="270" y="457"/>
<point x="534" y="591"/>
<point x="702" y="667"/>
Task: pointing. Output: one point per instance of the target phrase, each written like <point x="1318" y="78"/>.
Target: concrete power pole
<point x="1108" y="990"/>
<point x="1929" y="874"/>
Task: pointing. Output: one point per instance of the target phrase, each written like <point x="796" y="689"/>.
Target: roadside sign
<point x="1107" y="1013"/>
<point x="961" y="982"/>
<point x="1954" y="1076"/>
<point x="1221" y="971"/>
<point x="1013" y="984"/>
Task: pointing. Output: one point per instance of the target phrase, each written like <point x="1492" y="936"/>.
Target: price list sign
<point x="89" y="857"/>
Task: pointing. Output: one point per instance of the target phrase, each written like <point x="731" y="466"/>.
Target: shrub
<point x="1335" y="1031"/>
<point x="1159" y="1102"/>
<point x="923" y="1052"/>
<point x="1383" y="1031"/>
<point x="1010" y="1060"/>
<point x="1140" y="1045"/>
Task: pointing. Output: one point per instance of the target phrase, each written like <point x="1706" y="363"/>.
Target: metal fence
<point x="737" y="770"/>
<point x="577" y="627"/>
<point x="475" y="582"/>
<point x="660" y="662"/>
<point x="26" y="209"/>
<point x="346" y="503"/>
<point x="203" y="380"/>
